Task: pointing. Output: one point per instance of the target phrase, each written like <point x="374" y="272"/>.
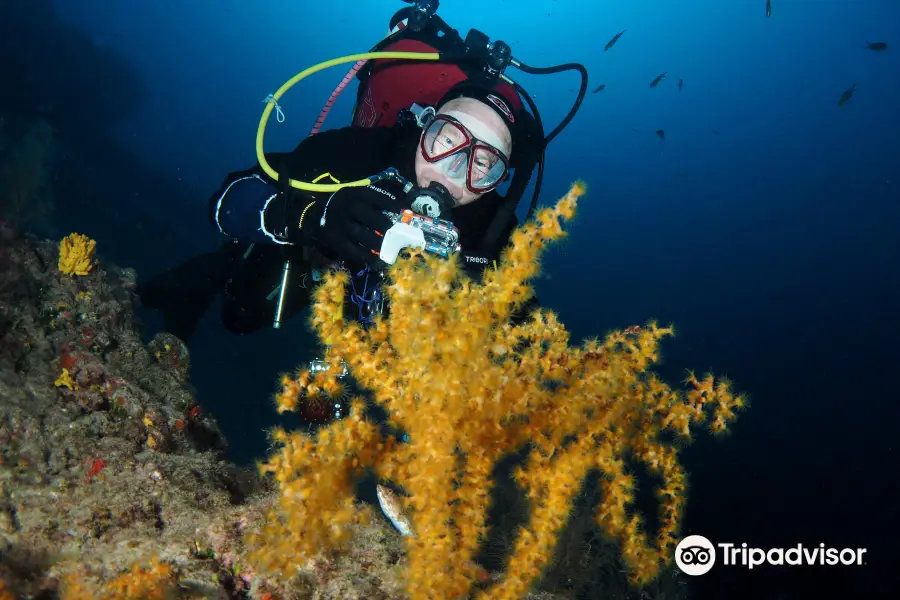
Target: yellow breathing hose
<point x="272" y="101"/>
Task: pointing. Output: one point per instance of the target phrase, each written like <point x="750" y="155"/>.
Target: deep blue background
<point x="764" y="227"/>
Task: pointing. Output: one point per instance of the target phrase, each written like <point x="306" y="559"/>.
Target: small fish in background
<point x="768" y="8"/>
<point x="613" y="41"/>
<point x="661" y="134"/>
<point x="656" y="81"/>
<point x="680" y="84"/>
<point x="877" y="46"/>
<point x="599" y="88"/>
<point x="845" y="97"/>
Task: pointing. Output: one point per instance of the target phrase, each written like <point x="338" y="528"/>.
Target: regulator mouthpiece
<point x="434" y="201"/>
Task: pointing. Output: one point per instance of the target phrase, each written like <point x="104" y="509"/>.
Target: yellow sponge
<point x="76" y="252"/>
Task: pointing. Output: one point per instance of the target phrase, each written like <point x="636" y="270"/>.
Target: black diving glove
<point x="350" y="223"/>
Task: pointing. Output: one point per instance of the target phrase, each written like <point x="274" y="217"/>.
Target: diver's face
<point x="484" y="124"/>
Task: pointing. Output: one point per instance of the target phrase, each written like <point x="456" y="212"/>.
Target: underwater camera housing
<point x="422" y="225"/>
<point x="412" y="230"/>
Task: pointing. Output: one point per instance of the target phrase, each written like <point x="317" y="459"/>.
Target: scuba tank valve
<point x="421" y="12"/>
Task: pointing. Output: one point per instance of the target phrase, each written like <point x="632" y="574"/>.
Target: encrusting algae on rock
<point x="469" y="385"/>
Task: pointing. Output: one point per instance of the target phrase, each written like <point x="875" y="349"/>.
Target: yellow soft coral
<point x="469" y="386"/>
<point x="154" y="581"/>
<point x="65" y="379"/>
<point x="76" y="253"/>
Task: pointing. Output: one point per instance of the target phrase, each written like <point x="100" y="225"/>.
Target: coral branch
<point x="469" y="386"/>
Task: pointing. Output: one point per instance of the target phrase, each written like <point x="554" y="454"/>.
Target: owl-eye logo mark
<point x="695" y="555"/>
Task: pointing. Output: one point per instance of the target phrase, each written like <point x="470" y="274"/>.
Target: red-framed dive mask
<point x="450" y="145"/>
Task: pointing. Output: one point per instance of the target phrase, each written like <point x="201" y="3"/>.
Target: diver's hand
<point x="351" y="222"/>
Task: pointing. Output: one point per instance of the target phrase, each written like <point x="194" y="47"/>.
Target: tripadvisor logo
<point x="696" y="555"/>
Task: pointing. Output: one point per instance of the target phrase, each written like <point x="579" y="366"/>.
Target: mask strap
<point x="477" y="129"/>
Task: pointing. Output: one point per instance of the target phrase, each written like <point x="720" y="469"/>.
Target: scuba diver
<point x="460" y="157"/>
<point x="437" y="129"/>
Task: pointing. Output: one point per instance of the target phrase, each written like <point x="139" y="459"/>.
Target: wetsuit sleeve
<point x="238" y="207"/>
<point x="247" y="204"/>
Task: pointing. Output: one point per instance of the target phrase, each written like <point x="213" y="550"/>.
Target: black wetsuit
<point x="248" y="267"/>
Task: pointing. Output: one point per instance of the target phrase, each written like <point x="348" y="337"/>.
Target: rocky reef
<point x="114" y="479"/>
<point x="107" y="460"/>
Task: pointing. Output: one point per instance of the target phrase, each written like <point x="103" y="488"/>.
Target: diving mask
<point x="453" y="147"/>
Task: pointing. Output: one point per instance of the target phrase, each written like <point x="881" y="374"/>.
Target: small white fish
<point x="393" y="510"/>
